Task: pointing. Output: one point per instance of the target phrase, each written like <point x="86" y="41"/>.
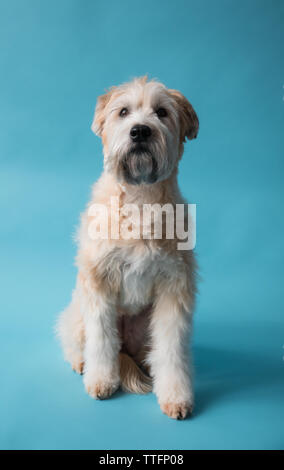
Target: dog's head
<point x="143" y="126"/>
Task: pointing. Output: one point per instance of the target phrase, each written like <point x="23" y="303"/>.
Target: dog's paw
<point x="101" y="389"/>
<point x="78" y="366"/>
<point x="75" y="359"/>
<point x="177" y="410"/>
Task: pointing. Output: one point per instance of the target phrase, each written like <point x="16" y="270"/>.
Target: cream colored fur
<point x="130" y="317"/>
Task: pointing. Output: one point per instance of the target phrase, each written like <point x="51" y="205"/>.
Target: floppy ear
<point x="189" y="123"/>
<point x="99" y="116"/>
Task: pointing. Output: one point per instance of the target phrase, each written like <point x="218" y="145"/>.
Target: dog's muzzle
<point x="139" y="166"/>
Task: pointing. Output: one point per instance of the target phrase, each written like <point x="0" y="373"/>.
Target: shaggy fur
<point x="130" y="316"/>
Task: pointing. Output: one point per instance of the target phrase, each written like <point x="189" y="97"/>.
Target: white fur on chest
<point x="138" y="275"/>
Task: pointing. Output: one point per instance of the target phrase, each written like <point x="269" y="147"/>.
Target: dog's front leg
<point x="101" y="373"/>
<point x="169" y="357"/>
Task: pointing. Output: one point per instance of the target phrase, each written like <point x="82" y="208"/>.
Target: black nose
<point x="140" y="133"/>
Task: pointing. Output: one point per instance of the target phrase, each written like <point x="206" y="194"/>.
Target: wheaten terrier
<point x="130" y="317"/>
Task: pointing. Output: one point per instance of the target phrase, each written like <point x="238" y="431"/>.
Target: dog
<point x="130" y="317"/>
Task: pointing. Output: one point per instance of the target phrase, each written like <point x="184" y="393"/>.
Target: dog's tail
<point x="132" y="377"/>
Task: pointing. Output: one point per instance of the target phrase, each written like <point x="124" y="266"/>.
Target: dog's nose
<point x="140" y="133"/>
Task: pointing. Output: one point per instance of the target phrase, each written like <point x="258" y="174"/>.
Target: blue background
<point x="226" y="56"/>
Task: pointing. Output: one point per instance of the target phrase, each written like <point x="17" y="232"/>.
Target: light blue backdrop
<point x="226" y="56"/>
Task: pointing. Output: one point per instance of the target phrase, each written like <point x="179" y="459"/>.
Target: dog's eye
<point x="161" y="112"/>
<point x="123" y="112"/>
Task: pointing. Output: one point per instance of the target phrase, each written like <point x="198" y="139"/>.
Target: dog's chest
<point x="138" y="275"/>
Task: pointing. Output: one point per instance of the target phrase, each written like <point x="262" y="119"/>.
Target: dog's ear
<point x="189" y="122"/>
<point x="99" y="116"/>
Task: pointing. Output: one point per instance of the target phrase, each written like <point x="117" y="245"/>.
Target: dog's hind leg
<point x="70" y="329"/>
